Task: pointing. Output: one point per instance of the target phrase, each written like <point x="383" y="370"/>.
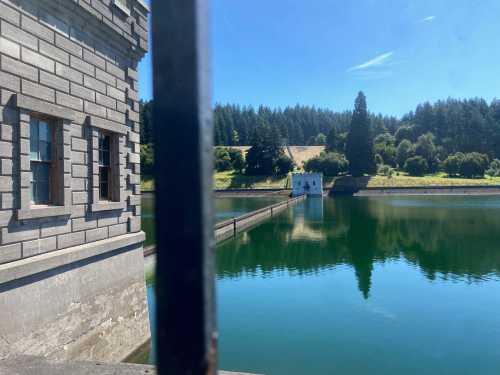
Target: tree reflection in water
<point x="455" y="238"/>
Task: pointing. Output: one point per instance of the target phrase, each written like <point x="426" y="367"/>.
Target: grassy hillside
<point x="231" y="180"/>
<point x="299" y="154"/>
<point x="439" y="179"/>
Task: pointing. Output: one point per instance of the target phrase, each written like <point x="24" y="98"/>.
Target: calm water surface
<point x="225" y="208"/>
<point x="396" y="285"/>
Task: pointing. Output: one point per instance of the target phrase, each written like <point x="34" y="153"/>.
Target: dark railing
<point x="186" y="332"/>
<point x="270" y="209"/>
<point x="150" y="250"/>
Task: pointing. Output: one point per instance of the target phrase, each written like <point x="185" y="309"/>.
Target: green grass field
<point x="438" y="179"/>
<point x="231" y="180"/>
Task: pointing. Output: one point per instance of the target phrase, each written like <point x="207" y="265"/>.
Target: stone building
<point x="71" y="264"/>
<point x="307" y="183"/>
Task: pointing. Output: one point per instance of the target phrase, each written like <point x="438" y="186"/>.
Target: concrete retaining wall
<point x="71" y="269"/>
<point x="431" y="190"/>
<point x="87" y="302"/>
<point x="37" y="366"/>
<point x="230" y="228"/>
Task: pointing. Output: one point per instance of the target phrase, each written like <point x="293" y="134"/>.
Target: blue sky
<point x="322" y="52"/>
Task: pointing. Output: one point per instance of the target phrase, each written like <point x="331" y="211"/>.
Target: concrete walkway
<point x="25" y="365"/>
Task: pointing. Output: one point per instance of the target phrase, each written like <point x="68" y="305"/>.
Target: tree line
<point x="298" y="126"/>
<point x="448" y="135"/>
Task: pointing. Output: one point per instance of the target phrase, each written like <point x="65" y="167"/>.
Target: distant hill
<point x="299" y="154"/>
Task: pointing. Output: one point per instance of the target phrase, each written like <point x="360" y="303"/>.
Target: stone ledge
<point x="107" y="206"/>
<point x="39" y="212"/>
<point x="26" y="365"/>
<point x="121" y="7"/>
<point x="44" y="262"/>
<point x="40" y="106"/>
<point x="98" y="122"/>
<point x="144" y="5"/>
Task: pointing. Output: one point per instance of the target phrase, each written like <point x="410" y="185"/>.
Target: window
<point x="122" y="5"/>
<point x="44" y="168"/>
<point x="41" y="160"/>
<point x="104" y="166"/>
<point x="107" y="170"/>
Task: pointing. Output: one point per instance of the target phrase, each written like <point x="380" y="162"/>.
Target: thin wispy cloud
<point x="375" y="62"/>
<point x="427" y="19"/>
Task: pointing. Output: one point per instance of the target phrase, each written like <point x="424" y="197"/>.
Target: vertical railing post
<point x="183" y="133"/>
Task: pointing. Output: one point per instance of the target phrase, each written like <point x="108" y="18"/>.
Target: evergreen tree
<point x="331" y="140"/>
<point x="146" y="121"/>
<point x="359" y="147"/>
<point x="265" y="152"/>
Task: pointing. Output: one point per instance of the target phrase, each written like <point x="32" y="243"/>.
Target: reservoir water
<point x="392" y="285"/>
<point x="225" y="208"/>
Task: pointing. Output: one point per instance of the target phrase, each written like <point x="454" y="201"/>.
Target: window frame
<point x="116" y="196"/>
<point x="60" y="119"/>
<point x="107" y="166"/>
<point x="53" y="176"/>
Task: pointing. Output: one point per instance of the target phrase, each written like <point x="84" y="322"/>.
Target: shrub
<point x="453" y="163"/>
<point x="284" y="165"/>
<point x="494" y="168"/>
<point x="416" y="166"/>
<point x="147" y="159"/>
<point x="329" y="163"/>
<point x="405" y="132"/>
<point x="474" y="165"/>
<point x="404" y="151"/>
<point x="222" y="159"/>
<point x="385" y="170"/>
<point x="237" y="160"/>
<point x="384" y="146"/>
<point x="426" y="148"/>
<point x="378" y="159"/>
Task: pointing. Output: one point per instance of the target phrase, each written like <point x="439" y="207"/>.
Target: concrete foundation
<point x="37" y="366"/>
<point x="87" y="302"/>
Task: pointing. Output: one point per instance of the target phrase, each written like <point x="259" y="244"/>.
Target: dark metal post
<point x="186" y="333"/>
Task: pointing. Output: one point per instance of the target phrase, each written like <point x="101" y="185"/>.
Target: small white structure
<point x="307" y="183"/>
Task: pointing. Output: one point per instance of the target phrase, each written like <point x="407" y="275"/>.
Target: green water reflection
<point x="396" y="285"/>
<point x="225" y="208"/>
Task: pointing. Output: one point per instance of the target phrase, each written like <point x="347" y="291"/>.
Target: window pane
<point x="103" y="183"/>
<point x="105" y="158"/>
<point x="34" y="139"/>
<point x="40" y="182"/>
<point x="105" y="143"/>
<point x="104" y="192"/>
<point x="44" y="131"/>
<point x="45" y="150"/>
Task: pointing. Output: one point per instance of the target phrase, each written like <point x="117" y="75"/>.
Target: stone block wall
<point x="74" y="61"/>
